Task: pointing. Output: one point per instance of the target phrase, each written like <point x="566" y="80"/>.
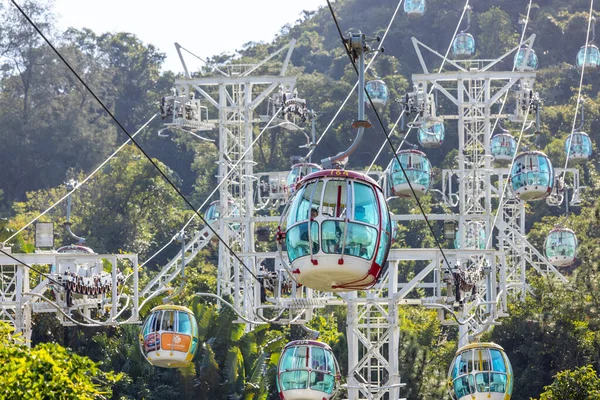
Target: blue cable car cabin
<point x="214" y="212"/>
<point x="432" y="135"/>
<point x="532" y="60"/>
<point x="504" y="147"/>
<point x="475" y="237"/>
<point x="418" y="170"/>
<point x="169" y="336"/>
<point x="561" y="247"/>
<point x="588" y="57"/>
<point x="395" y="235"/>
<point x="480" y="371"/>
<point x="378" y="92"/>
<point x="307" y="370"/>
<point x="338" y="231"/>
<point x="414" y="8"/>
<point x="463" y="45"/>
<point x="578" y="147"/>
<point x="298" y="172"/>
<point x="531" y="176"/>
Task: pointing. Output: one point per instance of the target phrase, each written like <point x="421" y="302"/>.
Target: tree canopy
<point x="48" y="371"/>
<point x="53" y="130"/>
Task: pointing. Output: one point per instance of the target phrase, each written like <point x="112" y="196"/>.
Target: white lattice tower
<point x="14" y="280"/>
<point x="511" y="230"/>
<point x="474" y="89"/>
<point x="18" y="301"/>
<point x="373" y="334"/>
<point x="476" y="92"/>
<point x="236" y="97"/>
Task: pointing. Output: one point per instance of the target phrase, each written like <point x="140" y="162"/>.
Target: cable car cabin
<point x="588" y="57"/>
<point x="307" y="370"/>
<point x="463" y="45"/>
<point x="75" y="248"/>
<point x="214" y="212"/>
<point x="480" y="371"/>
<point x="298" y="172"/>
<point x="293" y="107"/>
<point x="561" y="247"/>
<point x="414" y="8"/>
<point x="532" y="60"/>
<point x="578" y="147"/>
<point x="88" y="277"/>
<point x="432" y="135"/>
<point x="378" y="92"/>
<point x="504" y="147"/>
<point x="418" y="170"/>
<point x="395" y="235"/>
<point x="169" y="336"/>
<point x="338" y="231"/>
<point x="475" y="237"/>
<point x="531" y="176"/>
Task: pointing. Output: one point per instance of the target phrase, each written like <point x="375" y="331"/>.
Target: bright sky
<point x="204" y="27"/>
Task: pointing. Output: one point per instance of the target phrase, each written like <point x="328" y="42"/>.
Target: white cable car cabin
<point x="418" y="170"/>
<point x="348" y="241"/>
<point x="531" y="176"/>
<point x="378" y="92"/>
<point x="75" y="248"/>
<point x="293" y="107"/>
<point x="307" y="370"/>
<point x="414" y="8"/>
<point x="86" y="278"/>
<point x="169" y="336"/>
<point x="432" y="135"/>
<point x="578" y="147"/>
<point x="532" y="60"/>
<point x="588" y="57"/>
<point x="480" y="371"/>
<point x="504" y="147"/>
<point x="298" y="172"/>
<point x="463" y="45"/>
<point x="561" y="247"/>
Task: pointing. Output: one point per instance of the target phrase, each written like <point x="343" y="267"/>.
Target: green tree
<point x="48" y="371"/>
<point x="232" y="363"/>
<point x="582" y="384"/>
<point x="144" y="209"/>
<point x="424" y="354"/>
<point x="497" y="35"/>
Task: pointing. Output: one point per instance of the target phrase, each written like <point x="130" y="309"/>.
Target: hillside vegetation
<point x="53" y="131"/>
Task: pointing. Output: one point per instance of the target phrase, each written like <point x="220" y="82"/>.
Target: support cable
<point x="30" y="267"/>
<point x="439" y="245"/>
<point x="525" y="23"/>
<point x="506" y="182"/>
<point x="223" y="180"/>
<point x="489" y="239"/>
<point x="87" y="178"/>
<point x="356" y="84"/>
<point x="90" y="325"/>
<point x="585" y="54"/>
<point x="465" y="8"/>
<point x="154" y="164"/>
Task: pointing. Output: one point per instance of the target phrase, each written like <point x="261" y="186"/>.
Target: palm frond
<point x="233" y="370"/>
<point x="208" y="373"/>
<point x="257" y="373"/>
<point x="205" y="315"/>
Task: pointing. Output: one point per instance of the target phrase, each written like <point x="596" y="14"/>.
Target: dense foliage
<point x="53" y="131"/>
<point x="48" y="371"/>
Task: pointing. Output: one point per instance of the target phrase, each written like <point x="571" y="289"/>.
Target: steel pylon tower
<point x="236" y="93"/>
<point x="477" y="91"/>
